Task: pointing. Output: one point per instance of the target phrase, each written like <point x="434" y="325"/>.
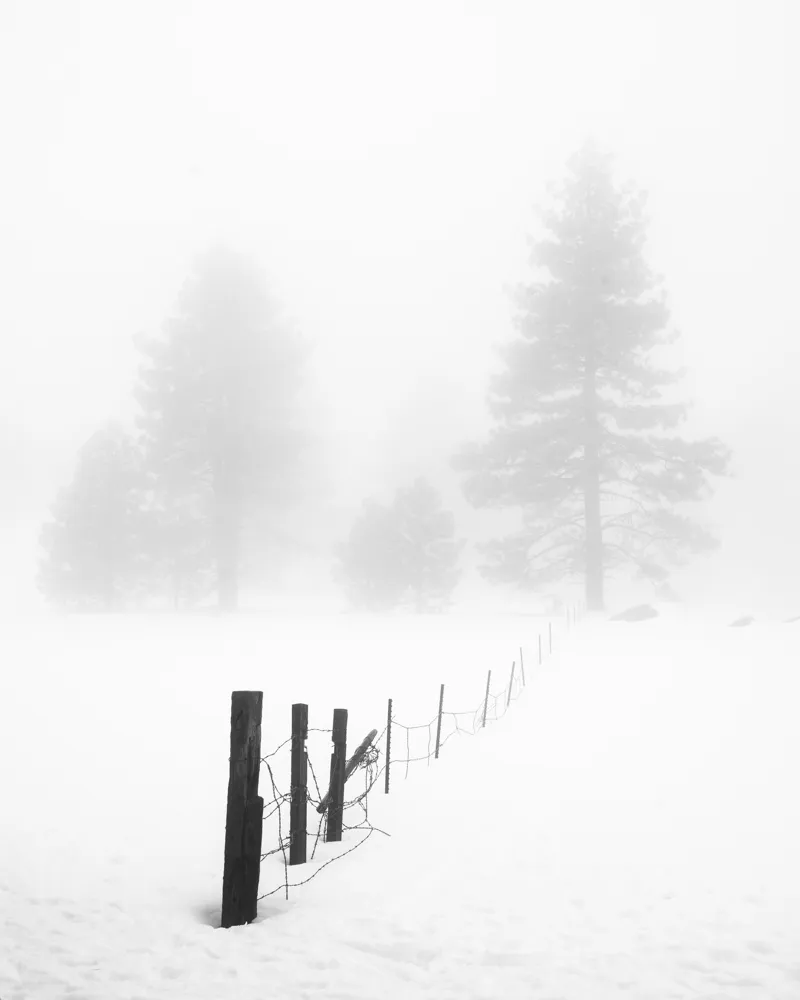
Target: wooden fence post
<point x="333" y="830"/>
<point x="511" y="683"/>
<point x="521" y="666"/>
<point x="439" y="722"/>
<point x="388" y="747"/>
<point x="245" y="812"/>
<point x="486" y="700"/>
<point x="298" y="814"/>
<point x="352" y="764"/>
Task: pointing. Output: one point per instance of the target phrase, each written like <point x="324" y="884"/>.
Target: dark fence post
<point x="333" y="831"/>
<point x="521" y="666"/>
<point x="388" y="747"/>
<point x="298" y="815"/>
<point x="511" y="683"/>
<point x="439" y="722"/>
<point x="486" y="699"/>
<point x="245" y="812"/>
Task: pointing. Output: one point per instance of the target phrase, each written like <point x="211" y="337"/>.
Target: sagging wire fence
<point x="300" y="818"/>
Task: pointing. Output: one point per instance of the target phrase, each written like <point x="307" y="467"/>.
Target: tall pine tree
<point x="218" y="398"/>
<point x="585" y="440"/>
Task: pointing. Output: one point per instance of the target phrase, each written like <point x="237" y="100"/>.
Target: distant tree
<point x="585" y="442"/>
<point x="371" y="563"/>
<point x="431" y="549"/>
<point x="402" y="555"/>
<point x="92" y="547"/>
<point x="218" y="398"/>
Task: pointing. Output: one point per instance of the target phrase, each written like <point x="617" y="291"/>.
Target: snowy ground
<point x="628" y="829"/>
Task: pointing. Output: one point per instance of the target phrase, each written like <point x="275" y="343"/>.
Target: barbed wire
<point x="286" y="743"/>
<point x="492" y="708"/>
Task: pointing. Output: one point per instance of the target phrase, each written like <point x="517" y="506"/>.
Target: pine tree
<point x="92" y="547"/>
<point x="431" y="551"/>
<point x="585" y="442"/>
<point x="402" y="555"/>
<point x="218" y="399"/>
<point x="370" y="566"/>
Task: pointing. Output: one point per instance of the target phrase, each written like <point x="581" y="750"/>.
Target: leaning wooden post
<point x="245" y="812"/>
<point x="298" y="814"/>
<point x="333" y="830"/>
<point x="388" y="747"/>
<point x="350" y="767"/>
<point x="511" y="683"/>
<point x="486" y="699"/>
<point x="521" y="666"/>
<point x="439" y="722"/>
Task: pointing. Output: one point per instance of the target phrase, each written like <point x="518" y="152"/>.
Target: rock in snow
<point x="639" y="613"/>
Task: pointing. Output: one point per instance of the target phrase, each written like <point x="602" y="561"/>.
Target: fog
<point x="383" y="164"/>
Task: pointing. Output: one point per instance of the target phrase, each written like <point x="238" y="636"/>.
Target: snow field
<point x="629" y="828"/>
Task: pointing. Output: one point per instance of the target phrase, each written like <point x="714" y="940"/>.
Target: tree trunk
<point x="109" y="597"/>
<point x="594" y="540"/>
<point x="591" y="498"/>
<point x="227" y="553"/>
<point x="227" y="585"/>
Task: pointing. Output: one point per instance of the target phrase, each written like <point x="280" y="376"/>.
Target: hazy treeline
<point x="585" y="443"/>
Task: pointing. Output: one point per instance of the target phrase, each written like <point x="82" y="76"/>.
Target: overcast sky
<point x="383" y="161"/>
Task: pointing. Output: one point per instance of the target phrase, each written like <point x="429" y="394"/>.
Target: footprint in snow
<point x="504" y="959"/>
<point x="397" y="952"/>
<point x="761" y="947"/>
<point x="171" y="972"/>
<point x="723" y="955"/>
